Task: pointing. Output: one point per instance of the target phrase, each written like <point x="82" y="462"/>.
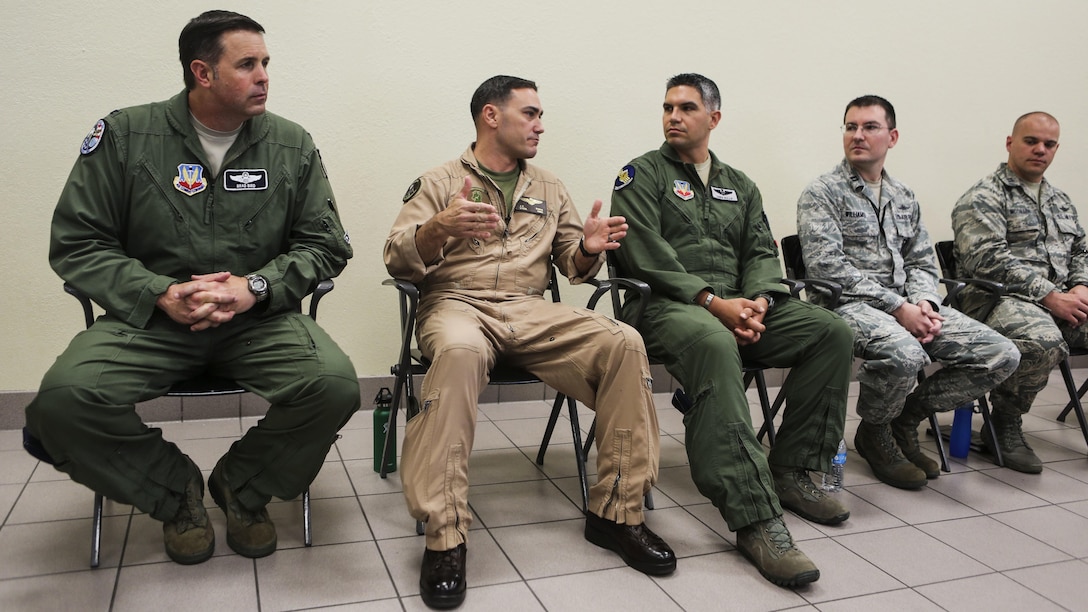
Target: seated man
<point x="700" y="239"/>
<point x="198" y="271"/>
<point x="479" y="235"/>
<point x="1015" y="228"/>
<point x="863" y="229"/>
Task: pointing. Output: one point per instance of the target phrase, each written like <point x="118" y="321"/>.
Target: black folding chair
<point x="946" y="253"/>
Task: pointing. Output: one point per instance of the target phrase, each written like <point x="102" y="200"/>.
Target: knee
<point x="1045" y="351"/>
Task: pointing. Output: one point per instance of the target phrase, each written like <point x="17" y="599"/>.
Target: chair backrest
<point x="946" y="255"/>
<point x="792" y="258"/>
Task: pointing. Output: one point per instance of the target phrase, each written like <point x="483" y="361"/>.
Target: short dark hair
<point x="201" y="39"/>
<point x="496" y="90"/>
<point x="871" y="100"/>
<point x="712" y="99"/>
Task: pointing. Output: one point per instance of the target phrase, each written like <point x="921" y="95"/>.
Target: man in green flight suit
<point x="198" y="224"/>
<point x="698" y="236"/>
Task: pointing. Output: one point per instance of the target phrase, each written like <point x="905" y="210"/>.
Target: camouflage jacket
<point x="1004" y="235"/>
<point x="879" y="252"/>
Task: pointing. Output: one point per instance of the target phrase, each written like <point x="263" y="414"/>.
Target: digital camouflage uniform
<point x="882" y="256"/>
<point x="1032" y="248"/>
<point x="685" y="237"/>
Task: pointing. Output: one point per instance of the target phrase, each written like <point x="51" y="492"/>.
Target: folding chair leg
<point x="935" y="428"/>
<point x="307" y="529"/>
<point x="96" y="530"/>
<point x="768" y="420"/>
<point x="552" y="419"/>
<point x="984" y="409"/>
<point x="589" y="438"/>
<point x="580" y="459"/>
<point x="1074" y="399"/>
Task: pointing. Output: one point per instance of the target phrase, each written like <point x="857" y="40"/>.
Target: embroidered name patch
<point x="190" y="179"/>
<point x="721" y="193"/>
<point x="683" y="190"/>
<point x="245" y="180"/>
<point x="624" y="178"/>
<point x="90" y="143"/>
<point x="532" y="206"/>
<point x="854" y="214"/>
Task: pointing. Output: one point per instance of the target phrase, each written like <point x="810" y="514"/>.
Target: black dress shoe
<point x="442" y="578"/>
<point x="639" y="547"/>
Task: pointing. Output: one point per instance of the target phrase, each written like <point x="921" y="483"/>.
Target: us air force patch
<point x="721" y="193"/>
<point x="683" y="189"/>
<point x="624" y="178"/>
<point x="413" y="189"/>
<point x="190" y="179"/>
<point x="90" y="143"/>
<point x="245" y="180"/>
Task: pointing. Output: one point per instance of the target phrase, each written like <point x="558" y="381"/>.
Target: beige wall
<point x="384" y="89"/>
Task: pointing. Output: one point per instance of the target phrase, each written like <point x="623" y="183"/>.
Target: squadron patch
<point x="476" y="194"/>
<point x="245" y="180"/>
<point x="190" y="179"/>
<point x="532" y="206"/>
<point x="90" y="143"/>
<point x="624" y="178"/>
<point x="683" y="190"/>
<point x="723" y="194"/>
<point x="413" y="189"/>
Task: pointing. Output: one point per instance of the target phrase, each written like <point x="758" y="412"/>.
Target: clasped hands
<point x="208" y="300"/>
<point x="742" y="316"/>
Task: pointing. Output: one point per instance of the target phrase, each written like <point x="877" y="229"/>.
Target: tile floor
<point x="979" y="538"/>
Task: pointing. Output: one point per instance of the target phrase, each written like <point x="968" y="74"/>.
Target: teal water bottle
<point x="383" y="404"/>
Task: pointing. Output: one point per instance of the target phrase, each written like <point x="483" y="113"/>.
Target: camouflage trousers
<point x="974" y="359"/>
<point x="1043" y="343"/>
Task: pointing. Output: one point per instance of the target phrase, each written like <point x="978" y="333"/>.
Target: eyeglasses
<point x="868" y="129"/>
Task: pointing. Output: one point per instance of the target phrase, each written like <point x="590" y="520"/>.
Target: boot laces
<point x="191" y="514"/>
<point x="778" y="535"/>
<point x="809" y="488"/>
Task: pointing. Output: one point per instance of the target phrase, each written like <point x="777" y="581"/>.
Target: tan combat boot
<point x="876" y="445"/>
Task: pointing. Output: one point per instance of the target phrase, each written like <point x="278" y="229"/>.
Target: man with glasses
<point x="699" y="237"/>
<point x="861" y="228"/>
<point x="1015" y="228"/>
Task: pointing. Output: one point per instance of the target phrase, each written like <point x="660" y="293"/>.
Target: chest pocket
<point x="530" y="227"/>
<point x="1067" y="224"/>
<point x="1022" y="227"/>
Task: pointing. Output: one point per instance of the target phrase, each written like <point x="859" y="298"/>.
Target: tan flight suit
<point x="481" y="299"/>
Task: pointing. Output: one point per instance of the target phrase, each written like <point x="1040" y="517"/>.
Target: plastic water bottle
<point x="383" y="404"/>
<point x="833" y="479"/>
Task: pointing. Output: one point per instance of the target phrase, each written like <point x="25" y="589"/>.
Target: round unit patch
<point x="90" y="143"/>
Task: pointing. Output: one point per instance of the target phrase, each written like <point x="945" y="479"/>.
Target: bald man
<point x="1015" y="228"/>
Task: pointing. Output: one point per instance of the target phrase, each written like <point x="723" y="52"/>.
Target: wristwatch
<point x="258" y="286"/>
<point x="769" y="298"/>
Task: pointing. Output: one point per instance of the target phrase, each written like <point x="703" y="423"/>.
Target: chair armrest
<point x="614" y="286"/>
<point x="835" y="289"/>
<point x="84" y="301"/>
<point x="795" y="286"/>
<point x="322" y="289"/>
<point x="994" y="290"/>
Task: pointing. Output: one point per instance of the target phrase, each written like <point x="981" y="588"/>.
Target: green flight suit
<point x="137" y="214"/>
<point x="685" y="237"/>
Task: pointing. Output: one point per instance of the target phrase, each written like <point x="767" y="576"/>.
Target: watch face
<point x="257" y="284"/>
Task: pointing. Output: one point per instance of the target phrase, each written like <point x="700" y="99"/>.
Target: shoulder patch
<point x="413" y="189"/>
<point x="90" y="143"/>
<point x="625" y="177"/>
